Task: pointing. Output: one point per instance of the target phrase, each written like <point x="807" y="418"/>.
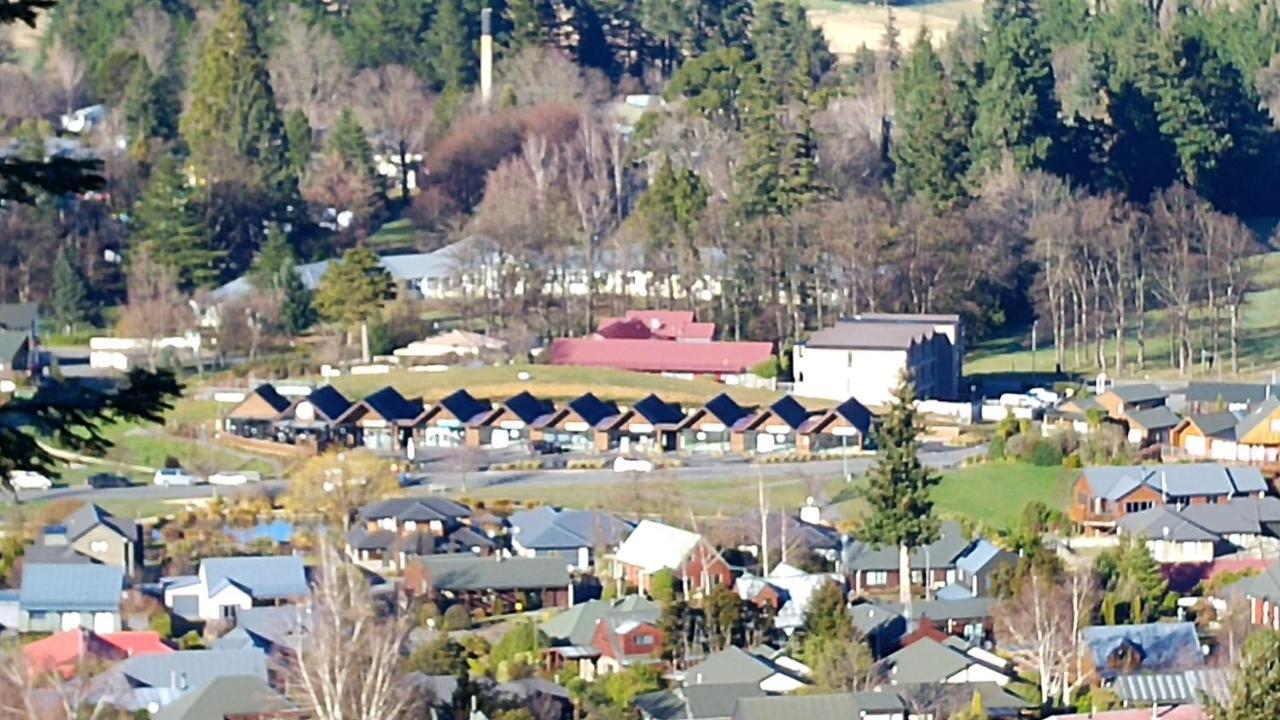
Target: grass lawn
<point x="1259" y="338"/>
<point x="395" y="236"/>
<point x="550" y="381"/>
<point x="848" y="25"/>
<point x="995" y="493"/>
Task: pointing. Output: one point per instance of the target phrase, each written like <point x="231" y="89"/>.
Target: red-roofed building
<point x="657" y="341"/>
<point x="66" y="651"/>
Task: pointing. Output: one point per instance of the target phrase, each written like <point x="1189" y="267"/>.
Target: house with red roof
<point x="66" y="652"/>
<point x="667" y="342"/>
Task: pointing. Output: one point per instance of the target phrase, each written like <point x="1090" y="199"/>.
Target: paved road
<point x="698" y="469"/>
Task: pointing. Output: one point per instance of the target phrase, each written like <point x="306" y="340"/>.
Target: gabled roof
<point x="841" y="706"/>
<point x="653" y="546"/>
<point x="726" y="409"/>
<point x="1217" y="424"/>
<point x="658" y="412"/>
<point x="1245" y="515"/>
<point x="464" y="407"/>
<point x="1163" y="523"/>
<point x="263" y="578"/>
<point x="730" y="666"/>
<point x="1265" y="586"/>
<point x="790" y="411"/>
<point x="951" y="543"/>
<point x="981" y="555"/>
<point x="967" y="608"/>
<point x="1113" y="483"/>
<point x="466" y="572"/>
<point x="417" y="509"/>
<point x="272" y="397"/>
<point x="1188" y="686"/>
<point x="88" y="516"/>
<point x="12" y="344"/>
<point x="20" y="317"/>
<point x="197" y="667"/>
<point x="66" y="649"/>
<point x="1162" y="647"/>
<point x="227" y="696"/>
<point x="925" y="661"/>
<point x="1159" y="417"/>
<point x="856" y="414"/>
<point x="528" y="408"/>
<point x="328" y="402"/>
<point x="546" y="528"/>
<point x="592" y="409"/>
<point x="1138" y="392"/>
<point x="1201" y="391"/>
<point x="82" y="588"/>
<point x="576" y="625"/>
<point x="392" y="406"/>
<point x="1264" y="411"/>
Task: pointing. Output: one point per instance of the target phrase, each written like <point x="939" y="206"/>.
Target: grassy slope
<point x="1259" y="345"/>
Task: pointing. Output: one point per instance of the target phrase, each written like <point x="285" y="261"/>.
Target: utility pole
<point x="764" y="525"/>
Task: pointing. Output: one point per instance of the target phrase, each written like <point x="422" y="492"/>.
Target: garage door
<point x="1194" y="445"/>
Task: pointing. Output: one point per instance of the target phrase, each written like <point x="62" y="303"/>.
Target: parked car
<point x="175" y="476"/>
<point x="545" y="447"/>
<point x="238" y="477"/>
<point x="99" y="481"/>
<point x="28" y="480"/>
<point x="626" y="464"/>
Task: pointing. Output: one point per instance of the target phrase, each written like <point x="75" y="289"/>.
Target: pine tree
<point x="929" y="152"/>
<point x="275" y="256"/>
<point x="526" y="18"/>
<point x="297" y="313"/>
<point x="757" y="190"/>
<point x="348" y="143"/>
<point x="232" y="124"/>
<point x="150" y="106"/>
<point x="69" y="295"/>
<point x="452" y="64"/>
<point x="898" y="491"/>
<point x="297" y="128"/>
<point x="1255" y="690"/>
<point x="354" y="288"/>
<point x="1017" y="105"/>
<point x="169" y="221"/>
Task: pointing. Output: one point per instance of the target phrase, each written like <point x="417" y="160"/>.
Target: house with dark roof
<point x="56" y="597"/>
<point x="1152" y="426"/>
<point x="578" y="537"/>
<point x="581" y="424"/>
<point x="874" y="570"/>
<point x="224" y="586"/>
<point x="856" y="705"/>
<point x="576" y="626"/>
<point x="1102" y="495"/>
<point x="164" y="679"/>
<point x="314" y="418"/>
<point x="735" y="666"/>
<point x="384" y="420"/>
<point x="91" y="533"/>
<point x="1207" y="435"/>
<point x="389" y="533"/>
<point x="20" y="317"/>
<point x="489" y="583"/>
<point x="864" y="357"/>
<point x="274" y="630"/>
<point x="255" y="416"/>
<point x="509" y="424"/>
<point x="1199" y="533"/>
<point x="15" y="355"/>
<point x="446" y="423"/>
<point x="1113" y="650"/>
<point x="1206" y="396"/>
<point x="243" y="697"/>
<point x="621" y="644"/>
<point x="1122" y="400"/>
<point x="773" y="429"/>
<point x="19" y="339"/>
<point x="928" y="661"/>
<point x="650" y="424"/>
<point x="710" y="427"/>
<point x="1253" y="438"/>
<point x="696" y="702"/>
<point x="846" y="428"/>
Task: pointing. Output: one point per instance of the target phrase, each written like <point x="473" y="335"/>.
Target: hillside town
<point x="643" y="360"/>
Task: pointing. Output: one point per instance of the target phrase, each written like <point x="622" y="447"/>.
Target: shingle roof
<point x="417" y="509"/>
<point x="859" y="555"/>
<point x="21" y="317"/>
<point x="462" y="572"/>
<point x="1114" y="483"/>
<point x="12" y="343"/>
<point x="392" y="406"/>
<point x="328" y="402"/>
<point x="83" y="588"/>
<point x="726" y="409"/>
<point x="231" y="695"/>
<point x="1163" y="523"/>
<point x="1161" y="646"/>
<point x="659" y="412"/>
<point x="88" y="516"/>
<point x="529" y="408"/>
<point x="1265" y="410"/>
<point x="264" y="578"/>
<point x="1138" y="392"/>
<point x="592" y="409"/>
<point x="1156" y="418"/>
<point x="197" y="667"/>
<point x="925" y="661"/>
<point x="1199" y="391"/>
<point x="1218" y="424"/>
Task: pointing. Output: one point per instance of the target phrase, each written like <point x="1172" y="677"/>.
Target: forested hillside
<point x="1088" y="166"/>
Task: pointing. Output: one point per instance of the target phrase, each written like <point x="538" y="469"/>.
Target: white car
<point x="241" y="477"/>
<point x="174" y="476"/>
<point x="28" y="480"/>
<point x="626" y="464"/>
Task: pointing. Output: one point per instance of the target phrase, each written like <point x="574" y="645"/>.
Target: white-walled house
<point x="224" y="586"/>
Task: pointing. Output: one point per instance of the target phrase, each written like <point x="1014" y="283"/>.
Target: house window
<point x="228" y="612"/>
<point x="644" y="640"/>
<point x="877" y="577"/>
<point x="1138" y="506"/>
<point x="917" y="577"/>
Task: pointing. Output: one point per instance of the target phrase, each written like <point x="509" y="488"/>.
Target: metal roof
<point x="1138" y="392"/>
<point x="592" y="409"/>
<point x="21" y="317"/>
<point x="1218" y="424"/>
<point x="392" y="406"/>
<point x="197" y="668"/>
<point x="860" y="555"/>
<point x="50" y="587"/>
<point x="1156" y="418"/>
<point x="1114" y="482"/>
<point x="328" y="402"/>
<point x="1264" y="411"/>
<point x="527" y="407"/>
<point x="1200" y="391"/>
<point x="227" y="696"/>
<point x="12" y="344"/>
<point x="1191" y="686"/>
<point x="417" y="509"/>
<point x="726" y="409"/>
<point x="464" y="407"/>
<point x="264" y="578"/>
<point x="463" y="572"/>
<point x="1163" y="523"/>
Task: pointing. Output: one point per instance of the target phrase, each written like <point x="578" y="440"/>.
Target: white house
<point x="224" y="586"/>
<point x="864" y="357"/>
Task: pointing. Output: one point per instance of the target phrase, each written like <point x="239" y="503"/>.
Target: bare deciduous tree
<point x="307" y="69"/>
<point x="393" y="104"/>
<point x="150" y="33"/>
<point x="156" y="309"/>
<point x="1042" y="627"/>
<point x="67" y="68"/>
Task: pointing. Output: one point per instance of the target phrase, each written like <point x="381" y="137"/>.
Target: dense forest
<point x="1086" y="165"/>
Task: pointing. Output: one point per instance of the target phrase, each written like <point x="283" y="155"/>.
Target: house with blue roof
<point x="509" y="424"/>
<point x="650" y="424"/>
<point x="384" y="420"/>
<point x="56" y="597"/>
<point x="445" y="423"/>
<point x="314" y="418"/>
<point x="846" y="428"/>
<point x="581" y="424"/>
<point x="577" y="536"/>
<point x="1102" y="495"/>
<point x="710" y="428"/>
<point x="255" y="416"/>
<point x="1115" y="650"/>
<point x="775" y="428"/>
<point x="224" y="586"/>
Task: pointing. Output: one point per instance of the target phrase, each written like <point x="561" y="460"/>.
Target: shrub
<point x="996" y="450"/>
<point x="1072" y="461"/>
<point x="769" y="369"/>
<point x="1044" y="454"/>
<point x="457" y="618"/>
<point x="162" y="624"/>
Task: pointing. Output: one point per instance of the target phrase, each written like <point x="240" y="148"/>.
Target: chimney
<point x="486" y="55"/>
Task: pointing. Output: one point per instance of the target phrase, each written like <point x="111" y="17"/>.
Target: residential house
<point x="650" y="424"/>
<point x="314" y="418"/>
<point x="1170" y="536"/>
<point x="621" y="644"/>
<point x="1207" y="435"/>
<point x="449" y="345"/>
<point x="1257" y="435"/>
<point x="145" y="682"/>
<point x="874" y="570"/>
<point x="865" y="356"/>
<point x="487" y="583"/>
<point x="19" y="322"/>
<point x="653" y="547"/>
<point x="786" y="590"/>
<point x="242" y="697"/>
<point x="1151" y="426"/>
<point x="224" y="586"/>
<point x="1102" y="495"/>
<point x="15" y="355"/>
<point x="575" y="536"/>
<point x="1120" y="401"/>
<point x="1114" y="650"/>
<point x="854" y="706"/>
<point x="384" y="420"/>
<point x="696" y="702"/>
<point x="976" y="568"/>
<point x="90" y="534"/>
<point x="1199" y="533"/>
<point x="255" y="416"/>
<point x="882" y="626"/>
<point x="506" y="426"/>
<point x="449" y="422"/>
<point x="1185" y="688"/>
<point x="846" y="428"/>
<point x="775" y="428"/>
<point x="1263" y="594"/>
<point x="552" y="699"/>
<point x="388" y="533"/>
<point x="951" y="661"/>
<point x="666" y="342"/>
<point x="66" y="652"/>
<point x="576" y="626"/>
<point x="20" y="317"/>
<point x="275" y="630"/>
<point x="580" y="425"/>
<point x="56" y="597"/>
<point x="1206" y="396"/>
<point x="711" y="427"/>
<point x="950" y="615"/>
<point x="1163" y="712"/>
<point x="735" y="666"/>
